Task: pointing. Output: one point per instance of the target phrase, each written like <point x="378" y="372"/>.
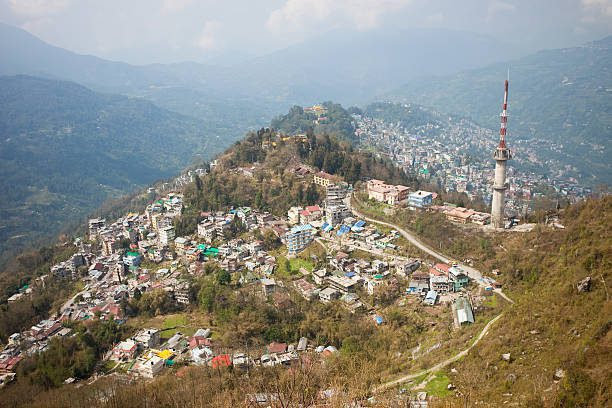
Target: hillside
<point x="66" y="149"/>
<point x="559" y="102"/>
<point x="552" y="326"/>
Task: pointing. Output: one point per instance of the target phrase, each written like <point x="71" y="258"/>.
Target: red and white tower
<point x="501" y="155"/>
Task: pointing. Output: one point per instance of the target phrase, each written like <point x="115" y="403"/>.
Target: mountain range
<point x="65" y="149"/>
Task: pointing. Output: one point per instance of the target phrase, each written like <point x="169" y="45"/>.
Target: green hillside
<point x="65" y="149"/>
<point x="560" y="100"/>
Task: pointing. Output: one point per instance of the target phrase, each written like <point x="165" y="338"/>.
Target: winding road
<point x="440" y="365"/>
<point x="473" y="273"/>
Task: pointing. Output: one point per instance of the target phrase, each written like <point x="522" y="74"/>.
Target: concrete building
<point x="207" y="230"/>
<point x="323" y="179"/>
<point x="420" y="199"/>
<point x="166" y="235"/>
<point x="298" y="238"/>
<point x="386" y="193"/>
<point x="501" y="155"/>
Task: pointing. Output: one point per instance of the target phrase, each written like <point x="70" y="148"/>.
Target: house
<point x="201" y="354"/>
<point x="319" y="276"/>
<point x="459" y="215"/>
<point x="310" y="213"/>
<point x="420" y="199"/>
<point x="132" y="259"/>
<point x="222" y="360"/>
<point x="430" y="298"/>
<point x="385" y="193"/>
<point x="306" y="289"/>
<point x="150" y="367"/>
<point x="181" y="244"/>
<point x="302" y="344"/>
<point x="268" y="286"/>
<point x="298" y="238"/>
<point x="148" y="337"/>
<point x="464" y="311"/>
<point x="407" y="268"/>
<point x="328" y="294"/>
<point x="323" y="179"/>
<point x="276" y="348"/>
<point x="125" y="350"/>
<point x="481" y="218"/>
<point x="458" y="278"/>
<point x="342" y="283"/>
<point x="419" y="282"/>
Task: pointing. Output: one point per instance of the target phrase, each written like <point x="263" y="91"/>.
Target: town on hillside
<point x="357" y="265"/>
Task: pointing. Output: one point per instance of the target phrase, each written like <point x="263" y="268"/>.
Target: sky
<point x="228" y="31"/>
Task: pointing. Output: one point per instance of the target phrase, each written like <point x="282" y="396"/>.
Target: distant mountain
<point x="350" y="67"/>
<point x="343" y="66"/>
<point x="64" y="149"/>
<point x="188" y="88"/>
<point x="560" y="100"/>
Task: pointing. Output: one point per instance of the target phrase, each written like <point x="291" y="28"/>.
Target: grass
<point x="492" y="301"/>
<point x="297" y="263"/>
<point x="173" y="321"/>
<point x="438" y="386"/>
<point x="186" y="323"/>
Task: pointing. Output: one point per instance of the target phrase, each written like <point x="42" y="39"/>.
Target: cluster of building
<point x="146" y="354"/>
<point x="456" y="154"/>
<point x="140" y="252"/>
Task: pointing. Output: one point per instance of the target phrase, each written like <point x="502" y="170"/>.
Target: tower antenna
<point x="501" y="155"/>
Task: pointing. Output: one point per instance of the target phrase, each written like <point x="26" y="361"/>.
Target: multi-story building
<point x="420" y="199"/>
<point x="294" y="215"/>
<point x="335" y="214"/>
<point x="386" y="193"/>
<point x="323" y="179"/>
<point x="207" y="230"/>
<point x="298" y="238"/>
<point x="166" y="235"/>
<point x="95" y="226"/>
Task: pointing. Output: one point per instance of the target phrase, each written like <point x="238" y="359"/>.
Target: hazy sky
<point x="146" y="31"/>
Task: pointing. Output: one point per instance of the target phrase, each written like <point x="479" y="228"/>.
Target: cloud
<point x="298" y="15"/>
<point x="208" y="39"/>
<point x="175" y="5"/>
<point x="434" y="20"/>
<point x="598" y="6"/>
<point x="497" y="7"/>
<point x="34" y="8"/>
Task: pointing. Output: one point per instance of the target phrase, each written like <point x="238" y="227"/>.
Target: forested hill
<point x="65" y="149"/>
<point x="271" y="181"/>
<point x="332" y="120"/>
<point x="559" y="100"/>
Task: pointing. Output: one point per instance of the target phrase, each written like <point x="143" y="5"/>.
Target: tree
<point x="312" y="195"/>
<point x="224" y="277"/>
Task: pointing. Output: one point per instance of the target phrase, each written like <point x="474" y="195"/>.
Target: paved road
<point x="70" y="301"/>
<point x="440" y="365"/>
<point x="473" y="273"/>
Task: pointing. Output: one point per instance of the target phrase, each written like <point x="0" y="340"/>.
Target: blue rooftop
<point x="300" y="228"/>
